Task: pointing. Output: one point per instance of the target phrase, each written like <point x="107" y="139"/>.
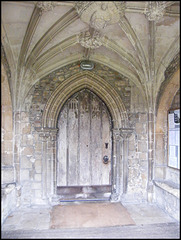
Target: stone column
<point x="43" y="136"/>
<point x="125" y="134"/>
<point x="115" y="192"/>
<point x="52" y="168"/>
<point x="150" y="155"/>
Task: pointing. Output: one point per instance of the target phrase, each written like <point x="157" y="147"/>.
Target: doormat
<point x="89" y="215"/>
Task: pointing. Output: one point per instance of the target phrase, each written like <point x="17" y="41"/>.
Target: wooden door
<point x="84" y="139"/>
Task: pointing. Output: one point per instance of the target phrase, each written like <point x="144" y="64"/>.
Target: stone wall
<point x="32" y="146"/>
<point x="138" y="159"/>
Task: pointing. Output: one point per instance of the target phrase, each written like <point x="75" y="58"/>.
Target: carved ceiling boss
<point x="99" y="14"/>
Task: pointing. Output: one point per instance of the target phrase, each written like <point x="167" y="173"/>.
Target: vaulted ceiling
<point x="137" y="39"/>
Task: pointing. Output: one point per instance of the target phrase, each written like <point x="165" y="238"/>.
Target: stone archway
<point x="161" y="124"/>
<point x="48" y="131"/>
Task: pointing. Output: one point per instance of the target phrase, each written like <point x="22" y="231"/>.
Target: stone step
<point x="146" y="231"/>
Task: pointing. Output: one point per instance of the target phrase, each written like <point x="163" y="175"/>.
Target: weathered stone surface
<point x="36" y="185"/>
<point x="28" y="151"/>
<point x="26" y="128"/>
<point x="7" y="175"/>
<point x="142" y="146"/>
<point x="168" y="202"/>
<point x="9" y="201"/>
<point x="38" y="177"/>
<point x="25" y="162"/>
<point x="7" y="146"/>
<point x="38" y="166"/>
<point x="7" y="159"/>
<point x="24" y="175"/>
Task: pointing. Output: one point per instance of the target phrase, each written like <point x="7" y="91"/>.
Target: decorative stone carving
<point x="99" y="14"/>
<point x="88" y="40"/>
<point x="154" y="10"/>
<point x="46" y="6"/>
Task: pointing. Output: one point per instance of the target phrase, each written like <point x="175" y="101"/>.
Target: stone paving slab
<point x="36" y="218"/>
<point x="146" y="213"/>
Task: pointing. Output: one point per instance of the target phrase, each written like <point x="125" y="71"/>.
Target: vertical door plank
<point x="62" y="148"/>
<point x="106" y="138"/>
<point x="84" y="138"/>
<point x="72" y="141"/>
<point x="96" y="160"/>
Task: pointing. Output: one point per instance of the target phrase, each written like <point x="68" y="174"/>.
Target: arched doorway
<point x="84" y="148"/>
<point x="48" y="132"/>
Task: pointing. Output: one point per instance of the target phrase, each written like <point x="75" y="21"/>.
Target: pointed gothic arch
<point x="48" y="131"/>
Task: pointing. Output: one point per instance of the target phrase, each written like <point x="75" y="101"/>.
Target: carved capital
<point x="116" y="135"/>
<point x="126" y="132"/>
<point x="53" y="134"/>
<point x="46" y="134"/>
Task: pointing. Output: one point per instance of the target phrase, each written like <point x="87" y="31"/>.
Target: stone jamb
<point x="125" y="134"/>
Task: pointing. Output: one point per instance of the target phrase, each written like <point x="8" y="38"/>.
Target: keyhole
<point x="106" y="145"/>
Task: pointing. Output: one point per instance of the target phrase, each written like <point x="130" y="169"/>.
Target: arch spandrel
<point x="80" y="81"/>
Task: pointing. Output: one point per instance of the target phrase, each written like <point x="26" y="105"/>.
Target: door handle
<point x="105" y="159"/>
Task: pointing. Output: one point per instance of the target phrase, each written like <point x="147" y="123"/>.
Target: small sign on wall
<point x="174" y="138"/>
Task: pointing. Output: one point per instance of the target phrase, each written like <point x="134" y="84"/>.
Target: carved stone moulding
<point x="154" y="10"/>
<point x="173" y="66"/>
<point x="99" y="14"/>
<point x="5" y="62"/>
